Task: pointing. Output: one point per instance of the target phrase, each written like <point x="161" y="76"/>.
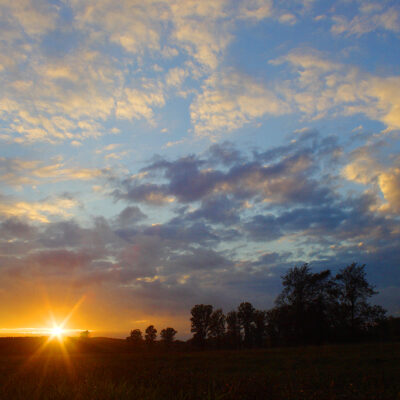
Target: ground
<point x="363" y="371"/>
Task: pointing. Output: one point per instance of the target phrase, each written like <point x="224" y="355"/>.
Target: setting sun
<point x="57" y="331"/>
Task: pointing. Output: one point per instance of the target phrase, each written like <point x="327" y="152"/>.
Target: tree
<point x="246" y="318"/>
<point x="167" y="335"/>
<point x="233" y="329"/>
<point x="259" y="327"/>
<point x="353" y="294"/>
<point x="84" y="334"/>
<point x="135" y="337"/>
<point x="200" y="322"/>
<point x="279" y="325"/>
<point x="151" y="335"/>
<point x="302" y="287"/>
<point x="306" y="302"/>
<point x="216" y="329"/>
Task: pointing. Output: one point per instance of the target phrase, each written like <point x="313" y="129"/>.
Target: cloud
<point x="256" y="9"/>
<point x="288" y="18"/>
<point x="324" y="86"/>
<point x="389" y="183"/>
<point x="36" y="211"/>
<point x="228" y="101"/>
<point x="371" y="17"/>
<point x="34" y="17"/>
<point x="129" y="215"/>
<point x="368" y="167"/>
<point x="175" y="77"/>
<point x="137" y="103"/>
<point x="219" y="241"/>
<point x="284" y="181"/>
<point x="15" y="172"/>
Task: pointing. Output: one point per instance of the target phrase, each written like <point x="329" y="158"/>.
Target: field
<point x="365" y="371"/>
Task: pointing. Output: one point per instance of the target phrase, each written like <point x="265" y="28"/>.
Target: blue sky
<point x="159" y="154"/>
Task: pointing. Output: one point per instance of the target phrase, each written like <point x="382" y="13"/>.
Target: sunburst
<point x="58" y="332"/>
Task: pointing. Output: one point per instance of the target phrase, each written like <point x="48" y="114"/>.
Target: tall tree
<point x="216" y="329"/>
<point x="167" y="335"/>
<point x="354" y="292"/>
<point x="151" y="335"/>
<point x="233" y="329"/>
<point x="305" y="304"/>
<point x="135" y="337"/>
<point x="259" y="327"/>
<point x="200" y="322"/>
<point x="246" y="318"/>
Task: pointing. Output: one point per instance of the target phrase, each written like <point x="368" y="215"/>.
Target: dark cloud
<point x="224" y="153"/>
<point x="129" y="216"/>
<point x="233" y="224"/>
<point x="218" y="209"/>
<point x="285" y="176"/>
<point x="15" y="228"/>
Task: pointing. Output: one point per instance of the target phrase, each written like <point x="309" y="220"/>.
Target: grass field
<point x="367" y="371"/>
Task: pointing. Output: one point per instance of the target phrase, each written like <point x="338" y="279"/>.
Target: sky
<point x="159" y="154"/>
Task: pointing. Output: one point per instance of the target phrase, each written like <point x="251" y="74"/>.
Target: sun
<point x="57" y="331"/>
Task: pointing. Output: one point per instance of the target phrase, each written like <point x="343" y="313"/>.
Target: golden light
<point x="57" y="331"/>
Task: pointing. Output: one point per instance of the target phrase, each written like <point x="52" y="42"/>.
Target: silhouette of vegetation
<point x="312" y="308"/>
<point x="246" y="318"/>
<point x="200" y="323"/>
<point x="355" y="315"/>
<point x="167" y="336"/>
<point x="84" y="334"/>
<point x="150" y="335"/>
<point x="135" y="337"/>
<point x="233" y="336"/>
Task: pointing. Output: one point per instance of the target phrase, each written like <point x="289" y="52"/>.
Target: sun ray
<point x="55" y="332"/>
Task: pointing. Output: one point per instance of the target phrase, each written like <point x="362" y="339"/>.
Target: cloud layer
<point x="164" y="153"/>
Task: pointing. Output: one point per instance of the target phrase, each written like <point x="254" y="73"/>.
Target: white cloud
<point x="15" y="172"/>
<point x="36" y="211"/>
<point x="370" y="18"/>
<point x="366" y="169"/>
<point x="230" y="100"/>
<point x="288" y="18"/>
<point x="256" y="9"/>
<point x="323" y="86"/>
<point x="139" y="103"/>
<point x="175" y="77"/>
<point x="34" y="17"/>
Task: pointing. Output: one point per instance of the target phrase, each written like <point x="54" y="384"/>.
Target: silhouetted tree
<point x="353" y="294"/>
<point x="305" y="303"/>
<point x="135" y="337"/>
<point x="84" y="334"/>
<point x="200" y="322"/>
<point x="259" y="327"/>
<point x="167" y="336"/>
<point x="216" y="329"/>
<point x="246" y="318"/>
<point x="233" y="329"/>
<point x="151" y="335"/>
<point x="280" y="329"/>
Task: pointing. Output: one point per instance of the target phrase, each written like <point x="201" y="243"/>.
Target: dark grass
<point x="365" y="371"/>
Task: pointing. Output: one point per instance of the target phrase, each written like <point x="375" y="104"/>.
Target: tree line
<point x="312" y="308"/>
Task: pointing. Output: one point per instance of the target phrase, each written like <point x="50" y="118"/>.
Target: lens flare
<point x="57" y="331"/>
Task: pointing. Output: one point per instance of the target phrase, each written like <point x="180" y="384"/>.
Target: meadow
<point x="362" y="371"/>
